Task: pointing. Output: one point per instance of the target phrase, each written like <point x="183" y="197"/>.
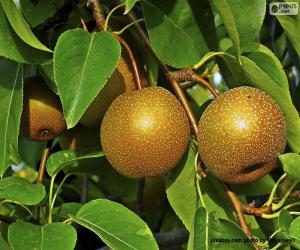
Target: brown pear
<point x="145" y="133"/>
<point x="42" y="118"/>
<point x="241" y="134"/>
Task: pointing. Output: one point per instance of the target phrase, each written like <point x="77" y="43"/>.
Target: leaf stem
<point x="50" y="198"/>
<point x="286" y="195"/>
<point x="272" y="194"/>
<point x="58" y="189"/>
<point x="127" y="26"/>
<point x="110" y="13"/>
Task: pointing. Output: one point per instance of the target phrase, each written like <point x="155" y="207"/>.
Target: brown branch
<point x="184" y="75"/>
<point x="256" y="211"/>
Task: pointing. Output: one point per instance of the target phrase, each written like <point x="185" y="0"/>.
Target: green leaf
<point x="129" y="5"/>
<point x="284" y="220"/>
<point x="294" y="232"/>
<point x="291" y="25"/>
<point x="262" y="186"/>
<point x="38" y="13"/>
<point x="181" y="188"/>
<point x="20" y="190"/>
<point x="116" y="225"/>
<point x="242" y="19"/>
<point x="211" y="233"/>
<point x="82" y="64"/>
<point x="56" y="236"/>
<point x="64" y="158"/>
<point x="12" y="47"/>
<point x="180" y="32"/>
<point x="20" y="26"/>
<point x="11" y="99"/>
<point x="291" y="163"/>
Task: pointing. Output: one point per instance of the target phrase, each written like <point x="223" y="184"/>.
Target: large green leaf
<point x="11" y="101"/>
<point x="211" y="233"/>
<point x="242" y="19"/>
<point x="12" y="47"/>
<point x="82" y="64"/>
<point x="56" y="236"/>
<point x="20" y="25"/>
<point x="181" y="188"/>
<point x="20" y="190"/>
<point x="291" y="25"/>
<point x="116" y="225"/>
<point x="65" y="158"/>
<point x="291" y="164"/>
<point x="180" y="32"/>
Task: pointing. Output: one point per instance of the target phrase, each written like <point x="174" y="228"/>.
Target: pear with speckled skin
<point x="42" y="117"/>
<point x="241" y="134"/>
<point x="145" y="133"/>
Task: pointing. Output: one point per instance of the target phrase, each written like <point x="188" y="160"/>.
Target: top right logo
<point x="284" y="8"/>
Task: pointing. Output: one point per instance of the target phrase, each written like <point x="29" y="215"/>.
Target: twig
<point x="184" y="75"/>
<point x="139" y="197"/>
